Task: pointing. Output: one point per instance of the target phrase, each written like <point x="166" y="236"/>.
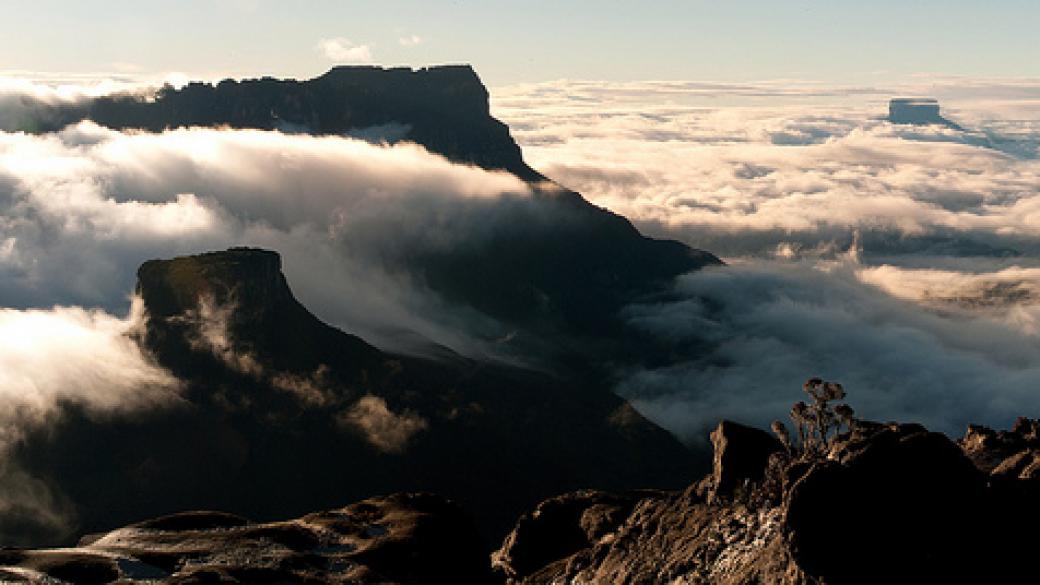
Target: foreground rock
<point x="403" y="538"/>
<point x="888" y="504"/>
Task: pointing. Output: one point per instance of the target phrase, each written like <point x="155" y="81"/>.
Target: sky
<point x="510" y="42"/>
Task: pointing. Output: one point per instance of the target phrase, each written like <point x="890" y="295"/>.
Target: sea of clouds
<point x="899" y="260"/>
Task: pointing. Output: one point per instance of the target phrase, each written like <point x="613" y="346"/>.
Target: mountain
<point x="890" y="503"/>
<point x="281" y="414"/>
<point x="559" y="269"/>
<point x="917" y="112"/>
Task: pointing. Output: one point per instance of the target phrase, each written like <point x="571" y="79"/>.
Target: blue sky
<point x="509" y="41"/>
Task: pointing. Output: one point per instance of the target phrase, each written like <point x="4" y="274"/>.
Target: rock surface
<point x="741" y="456"/>
<point x="888" y="504"/>
<point x="402" y="538"/>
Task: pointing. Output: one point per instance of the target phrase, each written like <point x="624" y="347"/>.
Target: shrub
<point x="817" y="421"/>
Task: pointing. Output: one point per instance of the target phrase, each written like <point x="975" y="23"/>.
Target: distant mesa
<point x="917" y="112"/>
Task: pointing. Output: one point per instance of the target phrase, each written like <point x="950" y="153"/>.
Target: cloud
<point x="750" y="334"/>
<point x="742" y="168"/>
<point x="80" y="209"/>
<point x="410" y="40"/>
<point x="342" y="50"/>
<point x="932" y="317"/>
<point x="381" y="427"/>
<point x="50" y="358"/>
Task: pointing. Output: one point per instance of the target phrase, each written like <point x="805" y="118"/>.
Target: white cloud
<point x="381" y="427"/>
<point x="410" y="40"/>
<point x="759" y="329"/>
<point x="342" y="50"/>
<point x="741" y="169"/>
<point x="54" y="357"/>
<point x="936" y="316"/>
<point x="79" y="210"/>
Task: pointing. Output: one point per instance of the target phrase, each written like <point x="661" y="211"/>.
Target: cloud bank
<point x="81" y="208"/>
<point x="53" y="357"/>
<point x="760" y="329"/>
<point x="901" y="261"/>
<point x="743" y="169"/>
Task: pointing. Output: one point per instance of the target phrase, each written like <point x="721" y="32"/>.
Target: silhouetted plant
<point x="819" y="420"/>
<point x="846" y="415"/>
<point x="781" y="432"/>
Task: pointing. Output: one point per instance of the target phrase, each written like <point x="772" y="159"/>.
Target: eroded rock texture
<point x="889" y="503"/>
<point x="403" y="538"/>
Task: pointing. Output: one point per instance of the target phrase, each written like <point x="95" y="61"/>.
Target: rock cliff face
<point x="442" y="108"/>
<point x="281" y="414"/>
<point x="889" y="503"/>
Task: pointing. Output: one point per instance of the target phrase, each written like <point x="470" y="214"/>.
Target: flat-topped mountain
<point x="917" y="112"/>
<point x="559" y="267"/>
<point x="281" y="414"/>
<point x="442" y="108"/>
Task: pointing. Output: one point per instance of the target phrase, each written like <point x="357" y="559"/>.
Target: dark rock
<point x="402" y="538"/>
<point x="1021" y="465"/>
<point x="901" y="494"/>
<point x="890" y="503"/>
<point x="560" y="527"/>
<point x="988" y="448"/>
<point x="741" y="456"/>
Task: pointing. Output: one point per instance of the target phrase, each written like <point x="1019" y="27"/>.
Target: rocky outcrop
<point x="561" y="527"/>
<point x="1001" y="452"/>
<point x="741" y="457"/>
<point x="402" y="538"/>
<point x="888" y="503"/>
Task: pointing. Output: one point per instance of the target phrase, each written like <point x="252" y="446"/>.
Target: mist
<point x="82" y="208"/>
<point x="771" y="326"/>
<point x="898" y="260"/>
<point x="52" y="358"/>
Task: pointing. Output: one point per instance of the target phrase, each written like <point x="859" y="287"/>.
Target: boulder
<point x="741" y="456"/>
<point x="901" y="494"/>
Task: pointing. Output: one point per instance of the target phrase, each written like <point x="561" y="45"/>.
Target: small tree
<point x="818" y="421"/>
